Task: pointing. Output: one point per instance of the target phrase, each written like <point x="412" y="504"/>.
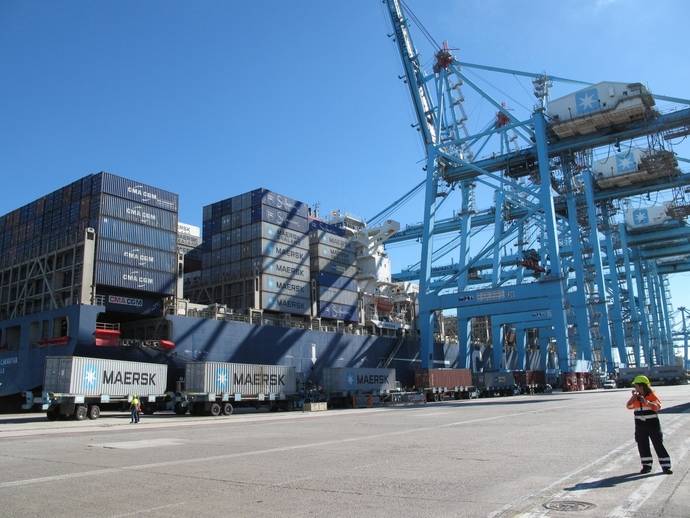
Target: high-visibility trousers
<point x="646" y="430"/>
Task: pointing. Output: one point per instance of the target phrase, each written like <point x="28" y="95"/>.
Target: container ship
<point x="103" y="268"/>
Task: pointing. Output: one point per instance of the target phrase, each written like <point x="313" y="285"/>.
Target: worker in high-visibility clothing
<point x="646" y="405"/>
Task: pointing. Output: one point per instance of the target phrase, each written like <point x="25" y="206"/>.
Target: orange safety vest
<point x="651" y="403"/>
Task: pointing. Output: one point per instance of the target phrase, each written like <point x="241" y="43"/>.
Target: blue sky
<point x="210" y="99"/>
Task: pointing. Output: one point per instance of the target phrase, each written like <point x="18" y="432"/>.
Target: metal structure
<point x="551" y="254"/>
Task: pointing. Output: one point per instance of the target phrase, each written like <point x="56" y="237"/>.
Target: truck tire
<point x="180" y="409"/>
<point x="80" y="412"/>
<point x="53" y="413"/>
<point x="214" y="409"/>
<point x="94" y="412"/>
<point x="228" y="409"/>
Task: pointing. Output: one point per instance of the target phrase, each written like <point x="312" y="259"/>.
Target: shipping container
<point x="282" y="269"/>
<point x="339" y="282"/>
<point x="122" y="302"/>
<point x="77" y="375"/>
<point x="315" y="224"/>
<point x="281" y="251"/>
<point x="321" y="264"/>
<point x="344" y="257"/>
<point x="239" y="378"/>
<point x="135" y="191"/>
<point x="139" y="213"/>
<point x="136" y="256"/>
<point x="334" y="295"/>
<point x="321" y="237"/>
<point x="278" y="217"/>
<point x="138" y="279"/>
<point x="338" y="311"/>
<point x="352" y="380"/>
<point x="285" y="303"/>
<point x="278" y="201"/>
<point x="118" y="230"/>
<point x="283" y="286"/>
<point x="443" y="378"/>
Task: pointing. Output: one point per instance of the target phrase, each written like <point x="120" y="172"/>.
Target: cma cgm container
<point x="350" y="380"/>
<point x="213" y="387"/>
<point x="77" y="386"/>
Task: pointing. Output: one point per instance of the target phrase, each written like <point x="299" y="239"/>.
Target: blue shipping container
<point x="334" y="295"/>
<point x="138" y="279"/>
<point x="136" y="191"/>
<point x="338" y="312"/>
<point x="136" y="256"/>
<point x="278" y="201"/>
<point x="139" y="213"/>
<point x="315" y="224"/>
<point x="329" y="280"/>
<point x="280" y="218"/>
<point x="118" y="230"/>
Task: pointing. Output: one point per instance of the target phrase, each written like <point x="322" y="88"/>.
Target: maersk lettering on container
<point x="321" y="237"/>
<point x="285" y="304"/>
<point x="285" y="269"/>
<point x="283" y="286"/>
<point x="284" y="252"/>
<point x="284" y="235"/>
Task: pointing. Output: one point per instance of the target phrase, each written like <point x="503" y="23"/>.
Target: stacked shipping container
<point x="135" y="224"/>
<point x="256" y="254"/>
<point x="333" y="269"/>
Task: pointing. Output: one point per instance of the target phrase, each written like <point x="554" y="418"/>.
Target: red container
<point x="520" y="378"/>
<point x="437" y="378"/>
<point x="535" y="377"/>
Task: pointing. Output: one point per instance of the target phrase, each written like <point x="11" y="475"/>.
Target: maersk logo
<point x="90" y="375"/>
<point x="222" y="377"/>
<point x="350" y="379"/>
<point x="587" y="101"/>
<point x="259" y="379"/>
<point x="128" y="378"/>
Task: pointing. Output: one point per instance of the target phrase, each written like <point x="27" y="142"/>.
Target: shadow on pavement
<point x="676" y="409"/>
<point x="610" y="481"/>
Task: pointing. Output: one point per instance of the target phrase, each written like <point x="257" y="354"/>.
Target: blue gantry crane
<point x="551" y="255"/>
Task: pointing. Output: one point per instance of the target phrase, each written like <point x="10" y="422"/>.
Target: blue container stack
<point x="255" y="254"/>
<point x="333" y="269"/>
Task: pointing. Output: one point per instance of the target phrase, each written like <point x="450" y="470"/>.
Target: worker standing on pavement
<point x="646" y="405"/>
<point x="135" y="408"/>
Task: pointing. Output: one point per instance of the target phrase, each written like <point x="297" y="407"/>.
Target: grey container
<point x="283" y="235"/>
<point x="118" y="230"/>
<point x="239" y="378"/>
<point x="139" y="213"/>
<point x="321" y="237"/>
<point x="135" y="191"/>
<point x="283" y="269"/>
<point x="285" y="303"/>
<point x="278" y="201"/>
<point x="283" y="286"/>
<point x="138" y="279"/>
<point x="337" y="296"/>
<point x="281" y="251"/>
<point x="345" y="257"/>
<point x="136" y="256"/>
<point x="280" y="218"/>
<point x="321" y="264"/>
<point x="78" y="375"/>
<point x="358" y="380"/>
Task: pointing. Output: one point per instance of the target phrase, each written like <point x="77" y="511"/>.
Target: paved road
<point x="489" y="457"/>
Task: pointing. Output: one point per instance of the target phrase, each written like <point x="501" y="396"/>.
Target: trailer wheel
<point x="94" y="412"/>
<point x="228" y="409"/>
<point x="180" y="409"/>
<point x="53" y="413"/>
<point x="214" y="409"/>
<point x="80" y="412"/>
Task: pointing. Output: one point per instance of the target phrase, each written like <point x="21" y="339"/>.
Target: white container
<point x="597" y="107"/>
<point x="77" y="375"/>
<point x="618" y="164"/>
<point x="239" y="378"/>
<point x="356" y="380"/>
<point x="647" y="217"/>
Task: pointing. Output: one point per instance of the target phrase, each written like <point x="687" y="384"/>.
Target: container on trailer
<point x="495" y="379"/>
<point x="338" y="311"/>
<point x="321" y="264"/>
<point x="358" y="380"/>
<point x="138" y="279"/>
<point x="443" y="378"/>
<point x="78" y="375"/>
<point x="535" y="377"/>
<point x="336" y="296"/>
<point x="239" y="378"/>
<point x="135" y="191"/>
<point x="135" y="256"/>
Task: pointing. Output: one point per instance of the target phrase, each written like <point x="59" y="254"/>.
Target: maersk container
<point x="239" y="378"/>
<point x="139" y="279"/>
<point x="329" y="280"/>
<point x="135" y="191"/>
<point x="321" y="264"/>
<point x="283" y="269"/>
<point x="321" y="237"/>
<point x="338" y="311"/>
<point x="136" y="256"/>
<point x="285" y="303"/>
<point x="139" y="213"/>
<point x="278" y="201"/>
<point x="315" y="224"/>
<point x="280" y="218"/>
<point x="282" y="235"/>
<point x="344" y="257"/>
<point x="78" y="375"/>
<point x="334" y="295"/>
<point x="281" y="251"/>
<point x="282" y="286"/>
<point x="358" y="380"/>
<point x="118" y="230"/>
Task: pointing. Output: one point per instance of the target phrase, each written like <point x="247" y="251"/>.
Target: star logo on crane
<point x="640" y="216"/>
<point x="625" y="163"/>
<point x="587" y="101"/>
